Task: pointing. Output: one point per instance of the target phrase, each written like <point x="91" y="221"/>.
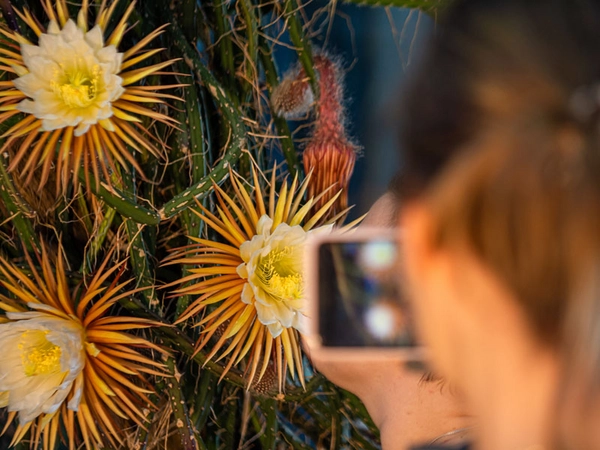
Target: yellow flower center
<point x="78" y="88"/>
<point x="278" y="276"/>
<point x="286" y="287"/>
<point x="38" y="355"/>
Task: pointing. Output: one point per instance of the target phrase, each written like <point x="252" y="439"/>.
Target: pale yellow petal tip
<point x="19" y="70"/>
<point x="107" y="125"/>
<point x="82" y="21"/>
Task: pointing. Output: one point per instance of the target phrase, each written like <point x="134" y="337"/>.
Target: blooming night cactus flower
<point x="72" y="78"/>
<point x="66" y="363"/>
<point x="273" y="267"/>
<point x="254" y="275"/>
<point x="75" y="96"/>
<point x="43" y="354"/>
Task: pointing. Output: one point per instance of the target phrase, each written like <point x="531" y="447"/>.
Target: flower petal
<point x="264" y="225"/>
<point x="94" y="38"/>
<point x="53" y="28"/>
<point x="242" y="271"/>
<point x="247" y="294"/>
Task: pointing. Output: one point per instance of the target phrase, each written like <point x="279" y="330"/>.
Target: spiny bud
<point x="331" y="163"/>
<point x="268" y="384"/>
<point x="293" y="97"/>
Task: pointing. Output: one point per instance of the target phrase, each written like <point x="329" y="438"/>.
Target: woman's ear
<point x="415" y="225"/>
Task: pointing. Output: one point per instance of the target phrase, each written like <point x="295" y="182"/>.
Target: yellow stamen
<point x="278" y="277"/>
<point x="78" y="89"/>
<point x="38" y="355"/>
<point x="286" y="287"/>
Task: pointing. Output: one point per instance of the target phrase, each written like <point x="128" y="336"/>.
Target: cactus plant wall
<point x="146" y="158"/>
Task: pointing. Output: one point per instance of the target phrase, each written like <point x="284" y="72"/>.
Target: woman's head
<point x="494" y="62"/>
<point x="502" y="146"/>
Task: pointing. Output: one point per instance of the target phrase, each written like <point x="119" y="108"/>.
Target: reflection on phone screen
<point x="359" y="299"/>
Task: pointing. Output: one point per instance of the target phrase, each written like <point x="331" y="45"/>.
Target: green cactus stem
<point x="264" y="421"/>
<point x="428" y="6"/>
<point x="203" y="398"/>
<point x="250" y="19"/>
<point x="281" y="125"/>
<point x="97" y="240"/>
<point x="301" y="43"/>
<point x="197" y="147"/>
<point x="188" y="440"/>
<point x="236" y="141"/>
<point x="124" y="205"/>
<point x="20" y="212"/>
<point x="139" y="251"/>
<point x="224" y="46"/>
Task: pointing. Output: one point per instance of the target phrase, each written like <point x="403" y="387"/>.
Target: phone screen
<point x="359" y="297"/>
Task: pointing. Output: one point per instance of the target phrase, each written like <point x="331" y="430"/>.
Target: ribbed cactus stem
<point x="19" y="210"/>
<point x="220" y="171"/>
<point x="188" y="440"/>
<point x="432" y="7"/>
<point x="124" y="205"/>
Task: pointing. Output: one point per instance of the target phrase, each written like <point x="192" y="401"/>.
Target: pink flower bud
<point x="332" y="163"/>
<point x="329" y="154"/>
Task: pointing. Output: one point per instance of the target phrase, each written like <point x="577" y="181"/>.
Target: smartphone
<point x="355" y="305"/>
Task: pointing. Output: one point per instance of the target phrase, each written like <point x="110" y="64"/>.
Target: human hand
<point x="406" y="409"/>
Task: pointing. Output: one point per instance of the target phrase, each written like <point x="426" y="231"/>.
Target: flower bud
<point x="331" y="163"/>
<point x="329" y="155"/>
<point x="268" y="384"/>
<point x="293" y="97"/>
